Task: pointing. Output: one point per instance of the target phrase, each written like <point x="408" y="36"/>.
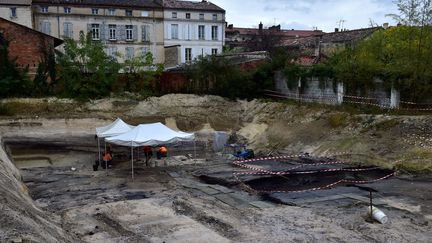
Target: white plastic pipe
<point x="379" y="215"/>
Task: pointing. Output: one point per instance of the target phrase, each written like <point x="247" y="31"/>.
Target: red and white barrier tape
<point x="317" y="188"/>
<point x="259" y="171"/>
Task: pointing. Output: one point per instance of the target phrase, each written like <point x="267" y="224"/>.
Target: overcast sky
<point x="307" y="14"/>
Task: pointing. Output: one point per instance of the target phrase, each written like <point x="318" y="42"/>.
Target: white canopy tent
<point x="116" y="128"/>
<point x="149" y="135"/>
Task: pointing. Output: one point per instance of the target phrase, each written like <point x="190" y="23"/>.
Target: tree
<point x="141" y="72"/>
<point x="413" y="12"/>
<point x="85" y="69"/>
<point x="219" y="76"/>
<point x="13" y="81"/>
<point x="46" y="73"/>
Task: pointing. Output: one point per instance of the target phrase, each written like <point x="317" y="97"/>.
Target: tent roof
<point x="150" y="134"/>
<point x="116" y="128"/>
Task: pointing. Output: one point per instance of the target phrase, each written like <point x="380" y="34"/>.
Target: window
<point x="46" y="27"/>
<point x="111" y="11"/>
<point x="44" y="9"/>
<point x="144" y="13"/>
<point x="214" y="33"/>
<point x="201" y="32"/>
<point x="201" y="16"/>
<point x="129" y="53"/>
<point x="174" y="31"/>
<point x="144" y="51"/>
<point x="188" y="55"/>
<point x="188" y="16"/>
<point x="95" y="11"/>
<point x="67" y="30"/>
<point x="95" y="31"/>
<point x="174" y="15"/>
<point x="215" y="17"/>
<point x="214" y="51"/>
<point x="145" y="33"/>
<point x="112" y="31"/>
<point x="67" y="10"/>
<point x="129" y="32"/>
<point x="13" y="12"/>
<point x="112" y="51"/>
<point x="128" y="12"/>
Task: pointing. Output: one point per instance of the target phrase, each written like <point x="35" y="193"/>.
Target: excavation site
<point x="235" y="171"/>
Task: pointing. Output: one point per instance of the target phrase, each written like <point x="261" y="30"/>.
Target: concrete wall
<point x="327" y="92"/>
<point x="172" y="57"/>
<point x="81" y="19"/>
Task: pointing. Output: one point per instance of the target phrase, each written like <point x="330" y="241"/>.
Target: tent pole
<point x="132" y="161"/>
<point x="106" y="162"/>
<point x="195" y="156"/>
<point x="99" y="157"/>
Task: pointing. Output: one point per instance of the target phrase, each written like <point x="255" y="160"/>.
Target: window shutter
<point x="135" y="33"/>
<point x="121" y="29"/>
<point x="65" y="29"/>
<point x="89" y="28"/>
<point x="145" y="33"/>
<point x="49" y="28"/>
<point x="71" y="30"/>
<point x="103" y="35"/>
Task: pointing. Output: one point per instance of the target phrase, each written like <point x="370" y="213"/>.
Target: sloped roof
<point x="333" y="37"/>
<point x="16" y="2"/>
<point x="114" y="3"/>
<point x="192" y="5"/>
<point x="349" y="35"/>
<point x="286" y="33"/>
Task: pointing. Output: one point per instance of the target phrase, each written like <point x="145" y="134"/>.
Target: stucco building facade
<point x="175" y="32"/>
<point x="127" y="28"/>
<point x="17" y="11"/>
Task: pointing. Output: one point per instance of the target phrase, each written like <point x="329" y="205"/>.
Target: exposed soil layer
<point x="184" y="200"/>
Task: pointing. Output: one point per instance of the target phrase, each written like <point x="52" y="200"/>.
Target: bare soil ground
<point x="172" y="204"/>
<point x="200" y="201"/>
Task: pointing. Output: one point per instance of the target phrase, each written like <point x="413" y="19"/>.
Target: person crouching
<point x="162" y="152"/>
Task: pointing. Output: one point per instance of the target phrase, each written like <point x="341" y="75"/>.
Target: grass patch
<point x="386" y="125"/>
<point x="25" y="108"/>
<point x="338" y="120"/>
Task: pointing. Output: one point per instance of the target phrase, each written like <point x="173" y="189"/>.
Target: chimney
<point x="336" y="29"/>
<point x="385" y="25"/>
<point x="260" y="26"/>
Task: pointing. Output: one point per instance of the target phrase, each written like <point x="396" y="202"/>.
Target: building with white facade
<point x="192" y="29"/>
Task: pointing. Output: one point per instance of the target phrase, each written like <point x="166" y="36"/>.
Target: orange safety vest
<point x="107" y="157"/>
<point x="163" y="150"/>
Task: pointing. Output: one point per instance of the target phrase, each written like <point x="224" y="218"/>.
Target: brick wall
<point x="26" y="45"/>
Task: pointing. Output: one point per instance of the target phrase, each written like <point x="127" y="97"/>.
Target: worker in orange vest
<point x="162" y="152"/>
<point x="107" y="159"/>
